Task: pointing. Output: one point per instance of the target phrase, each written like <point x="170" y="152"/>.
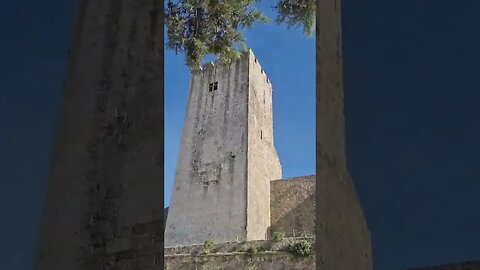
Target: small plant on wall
<point x="208" y="246"/>
<point x="278" y="236"/>
<point x="301" y="248"/>
<point x="253" y="250"/>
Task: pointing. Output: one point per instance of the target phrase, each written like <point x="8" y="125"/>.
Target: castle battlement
<point x="211" y="66"/>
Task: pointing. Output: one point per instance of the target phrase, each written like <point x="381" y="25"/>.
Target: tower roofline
<point x="248" y="53"/>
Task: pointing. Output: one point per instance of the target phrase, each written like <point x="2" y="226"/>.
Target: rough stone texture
<point x="474" y="265"/>
<point x="343" y="239"/>
<point x="263" y="163"/>
<point x="209" y="196"/>
<point x="293" y="206"/>
<point x="270" y="255"/>
<point x="107" y="163"/>
<point x="219" y="193"/>
<point x="138" y="247"/>
<point x="229" y="247"/>
<point x="234" y="261"/>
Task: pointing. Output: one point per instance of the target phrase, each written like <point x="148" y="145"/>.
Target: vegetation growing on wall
<point x="208" y="246"/>
<point x="301" y="248"/>
<point x="252" y="250"/>
<point x="278" y="236"/>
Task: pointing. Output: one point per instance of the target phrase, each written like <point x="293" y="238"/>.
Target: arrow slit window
<point x="213" y="87"/>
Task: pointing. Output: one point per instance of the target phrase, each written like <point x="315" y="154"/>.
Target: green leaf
<point x="201" y="27"/>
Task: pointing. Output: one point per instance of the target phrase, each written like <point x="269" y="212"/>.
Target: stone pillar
<point x="107" y="165"/>
<point x="343" y="239"/>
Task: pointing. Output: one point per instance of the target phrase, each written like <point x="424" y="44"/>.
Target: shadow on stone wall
<point x="165" y="214"/>
<point x="299" y="220"/>
<point x="292" y="206"/>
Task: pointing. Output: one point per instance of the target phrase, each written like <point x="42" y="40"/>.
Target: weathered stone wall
<point x="342" y="233"/>
<point x="135" y="247"/>
<point x="107" y="162"/>
<point x="233" y="255"/>
<point x="209" y="199"/>
<point x="263" y="163"/>
<point x="235" y="261"/>
<point x="293" y="206"/>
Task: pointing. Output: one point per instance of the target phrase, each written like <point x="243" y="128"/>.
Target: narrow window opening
<point x="212" y="86"/>
<point x="261" y="135"/>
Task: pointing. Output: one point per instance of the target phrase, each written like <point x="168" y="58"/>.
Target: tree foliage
<point x="201" y="27"/>
<point x="297" y="13"/>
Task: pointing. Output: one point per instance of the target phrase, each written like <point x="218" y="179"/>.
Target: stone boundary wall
<point x="264" y="261"/>
<point x="238" y="255"/>
<point x="237" y="247"/>
<point x="292" y="206"/>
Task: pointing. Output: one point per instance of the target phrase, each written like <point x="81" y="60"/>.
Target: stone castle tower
<point x="227" y="157"/>
<point x="104" y="206"/>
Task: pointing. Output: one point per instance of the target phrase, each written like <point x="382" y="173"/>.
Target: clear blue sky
<point x="288" y="58"/>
